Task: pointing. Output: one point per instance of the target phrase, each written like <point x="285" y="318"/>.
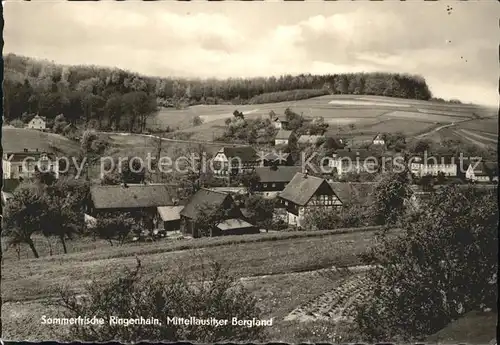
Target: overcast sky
<point x="457" y="53"/>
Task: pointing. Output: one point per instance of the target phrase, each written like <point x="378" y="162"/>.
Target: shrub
<point x="212" y="294"/>
<point x="17" y="123"/>
<point x="443" y="264"/>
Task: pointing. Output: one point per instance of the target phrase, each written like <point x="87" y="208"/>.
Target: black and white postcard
<point x="250" y="171"/>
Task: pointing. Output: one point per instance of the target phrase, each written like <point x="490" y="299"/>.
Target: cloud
<point x="225" y="40"/>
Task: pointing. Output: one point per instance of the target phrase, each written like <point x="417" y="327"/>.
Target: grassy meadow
<point x="278" y="268"/>
<point x="382" y="114"/>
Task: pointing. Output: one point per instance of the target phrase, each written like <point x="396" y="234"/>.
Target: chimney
<point x="25" y="150"/>
<point x="36" y="150"/>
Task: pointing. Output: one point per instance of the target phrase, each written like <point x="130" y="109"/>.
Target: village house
<point x="241" y="159"/>
<point x="206" y="200"/>
<point x="140" y="200"/>
<point x="275" y="158"/>
<point x="38" y="122"/>
<point x="352" y="161"/>
<point x="305" y="192"/>
<point x="23" y="165"/>
<point x="280" y="122"/>
<point x="379" y="139"/>
<point x="282" y="137"/>
<point x="422" y="166"/>
<point x="482" y="172"/>
<point x="273" y="179"/>
<point x="169" y="217"/>
<point x="310" y="139"/>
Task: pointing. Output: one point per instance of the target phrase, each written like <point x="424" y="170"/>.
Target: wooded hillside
<point x="115" y="98"/>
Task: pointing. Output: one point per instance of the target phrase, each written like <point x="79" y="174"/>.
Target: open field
<point x="337" y="110"/>
<point x="395" y="125"/>
<point x="416" y="116"/>
<point x="475" y="138"/>
<point x="367" y="103"/>
<point x="17" y="139"/>
<point x="278" y="268"/>
<point x="31" y="279"/>
<point x="277" y="295"/>
<point x="488" y="126"/>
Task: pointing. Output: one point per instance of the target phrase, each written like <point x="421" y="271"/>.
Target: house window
<point x="265" y="184"/>
<point x="273" y="185"/>
<point x="286" y="203"/>
<point x="20" y="168"/>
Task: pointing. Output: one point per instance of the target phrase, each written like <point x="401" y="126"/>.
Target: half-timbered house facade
<point x="305" y="192"/>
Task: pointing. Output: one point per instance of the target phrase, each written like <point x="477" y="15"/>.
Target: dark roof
<point x="245" y="153"/>
<point x="9" y="185"/>
<point x="283" y="134"/>
<point x="353" y="192"/>
<point x="277" y="174"/>
<point x="204" y="197"/>
<point x="131" y="196"/>
<point x="354" y="153"/>
<point x="301" y="188"/>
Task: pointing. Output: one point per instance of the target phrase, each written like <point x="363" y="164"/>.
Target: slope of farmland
<point x="17" y="139"/>
<point x="487" y="125"/>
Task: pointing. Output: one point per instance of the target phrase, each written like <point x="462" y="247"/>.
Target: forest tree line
<point x="118" y="99"/>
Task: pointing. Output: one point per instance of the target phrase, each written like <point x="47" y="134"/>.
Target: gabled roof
<point x="283" y="135"/>
<point x="277" y="174"/>
<point x="245" y="153"/>
<point x="301" y="188"/>
<point x="168" y="213"/>
<point x="130" y="196"/>
<point x="204" y="197"/>
<point x="38" y="117"/>
<point x="309" y="139"/>
<point x="353" y="192"/>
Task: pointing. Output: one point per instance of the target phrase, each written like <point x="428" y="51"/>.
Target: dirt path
<point x="472" y="140"/>
<point x="479" y="136"/>
<point x="437" y="129"/>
